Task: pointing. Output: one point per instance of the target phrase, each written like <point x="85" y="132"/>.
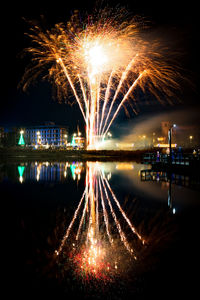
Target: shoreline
<point x="83" y="155"/>
<point x="16" y="155"/>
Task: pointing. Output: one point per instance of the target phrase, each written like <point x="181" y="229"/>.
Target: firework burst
<point x="102" y="60"/>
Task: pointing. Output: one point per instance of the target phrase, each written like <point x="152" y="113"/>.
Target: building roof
<point x="46" y="126"/>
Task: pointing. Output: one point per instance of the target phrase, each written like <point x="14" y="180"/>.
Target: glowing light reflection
<point x="92" y="254"/>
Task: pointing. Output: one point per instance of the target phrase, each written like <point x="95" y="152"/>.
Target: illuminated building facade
<point x="46" y="135"/>
<point x="79" y="142"/>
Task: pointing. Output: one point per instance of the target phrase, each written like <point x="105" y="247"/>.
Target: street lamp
<point x="170" y="141"/>
<point x="153" y="140"/>
<point x="144" y="138"/>
<point x="191" y="138"/>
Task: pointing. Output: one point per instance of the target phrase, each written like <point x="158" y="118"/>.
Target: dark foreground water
<point x="98" y="231"/>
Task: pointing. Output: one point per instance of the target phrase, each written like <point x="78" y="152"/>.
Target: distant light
<point x="124" y="166"/>
<point x="160" y="139"/>
<point x="174" y="125"/>
<point x="174" y="211"/>
<point x="166" y="145"/>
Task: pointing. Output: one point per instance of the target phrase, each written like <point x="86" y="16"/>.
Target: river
<point x="98" y="230"/>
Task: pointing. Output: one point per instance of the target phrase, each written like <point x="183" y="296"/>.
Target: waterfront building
<point x="45" y="136"/>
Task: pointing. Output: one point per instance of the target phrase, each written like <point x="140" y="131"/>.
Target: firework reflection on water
<point x="100" y="249"/>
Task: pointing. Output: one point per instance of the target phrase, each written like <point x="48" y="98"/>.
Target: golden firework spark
<point x="102" y="59"/>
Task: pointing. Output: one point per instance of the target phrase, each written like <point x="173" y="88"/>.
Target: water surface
<point x="99" y="230"/>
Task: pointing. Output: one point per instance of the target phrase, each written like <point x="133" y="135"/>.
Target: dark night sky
<point x="177" y="19"/>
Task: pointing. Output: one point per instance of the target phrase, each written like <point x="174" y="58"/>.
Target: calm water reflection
<point x="100" y="230"/>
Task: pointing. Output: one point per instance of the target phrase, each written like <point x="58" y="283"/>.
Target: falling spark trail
<point x="97" y="113"/>
<point x="123" y="213"/>
<point x="81" y="222"/>
<point x="121" y="233"/>
<point x="123" y="100"/>
<point x="124" y="75"/>
<point x="84" y="95"/>
<point x="97" y="205"/>
<point x="105" y="215"/>
<point x="106" y="99"/>
<point x="70" y="225"/>
<point x="72" y="86"/>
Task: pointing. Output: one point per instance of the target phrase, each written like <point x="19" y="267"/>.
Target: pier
<point x="180" y="169"/>
<point x="178" y="162"/>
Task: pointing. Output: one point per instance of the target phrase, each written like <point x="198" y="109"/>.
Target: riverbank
<point x="57" y="154"/>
